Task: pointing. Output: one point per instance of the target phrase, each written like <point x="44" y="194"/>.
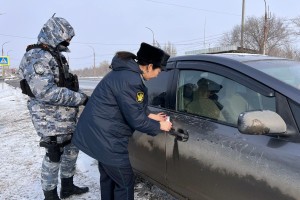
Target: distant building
<point x="224" y="49"/>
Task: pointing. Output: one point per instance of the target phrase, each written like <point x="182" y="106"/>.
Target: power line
<point x="116" y="44"/>
<point x="198" y="40"/>
<point x="16" y="36"/>
<point x="75" y="58"/>
<point x="104" y="44"/>
<point x="84" y="43"/>
<point x="193" y="8"/>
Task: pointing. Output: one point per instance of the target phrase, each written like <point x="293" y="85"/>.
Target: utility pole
<point x="94" y="67"/>
<point x="3" y="67"/>
<point x="265" y="30"/>
<point x="153" y="39"/>
<point x="204" y="33"/>
<point x="242" y="25"/>
<point x="2" y="48"/>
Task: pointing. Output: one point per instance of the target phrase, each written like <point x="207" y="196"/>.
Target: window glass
<point x="217" y="97"/>
<point x="296" y="112"/>
<point x="287" y="71"/>
<point x="157" y="89"/>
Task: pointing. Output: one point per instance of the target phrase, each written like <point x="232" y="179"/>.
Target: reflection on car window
<point x="216" y="97"/>
<point x="287" y="71"/>
<point x="157" y="89"/>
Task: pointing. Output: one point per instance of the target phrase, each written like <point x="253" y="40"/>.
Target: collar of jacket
<point x="118" y="64"/>
<point x="143" y="80"/>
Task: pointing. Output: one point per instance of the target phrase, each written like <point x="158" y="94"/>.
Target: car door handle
<point x="180" y="134"/>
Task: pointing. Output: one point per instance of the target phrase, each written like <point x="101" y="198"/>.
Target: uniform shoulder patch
<point x="39" y="68"/>
<point x="140" y="97"/>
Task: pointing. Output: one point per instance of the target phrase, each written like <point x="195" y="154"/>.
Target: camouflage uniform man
<point x="55" y="97"/>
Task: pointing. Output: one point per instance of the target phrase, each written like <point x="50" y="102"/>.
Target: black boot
<point x="51" y="195"/>
<point x="68" y="188"/>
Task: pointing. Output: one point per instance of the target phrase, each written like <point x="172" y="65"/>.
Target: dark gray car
<point x="236" y="121"/>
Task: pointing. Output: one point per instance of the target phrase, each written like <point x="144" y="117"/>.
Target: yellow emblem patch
<point x="140" y="97"/>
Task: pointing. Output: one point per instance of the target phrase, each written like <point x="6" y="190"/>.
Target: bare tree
<point x="288" y="51"/>
<point x="101" y="70"/>
<point x="278" y="34"/>
<point x="296" y="22"/>
<point x="232" y="38"/>
<point x="170" y="49"/>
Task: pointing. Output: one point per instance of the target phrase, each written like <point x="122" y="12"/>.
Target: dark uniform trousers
<point x="116" y="183"/>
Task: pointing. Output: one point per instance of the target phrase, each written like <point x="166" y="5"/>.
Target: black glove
<point x="85" y="101"/>
<point x="72" y="82"/>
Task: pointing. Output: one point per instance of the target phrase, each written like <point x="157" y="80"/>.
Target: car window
<point x="287" y="71"/>
<point x="217" y="97"/>
<point x="157" y="89"/>
<point x="296" y="112"/>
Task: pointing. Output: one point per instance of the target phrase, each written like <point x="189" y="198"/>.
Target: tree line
<point x="97" y="71"/>
<point x="277" y="35"/>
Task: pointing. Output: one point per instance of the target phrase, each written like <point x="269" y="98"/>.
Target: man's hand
<point x="165" y="125"/>
<point x="160" y="117"/>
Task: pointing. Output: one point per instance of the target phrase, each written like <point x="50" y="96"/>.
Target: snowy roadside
<point x="21" y="157"/>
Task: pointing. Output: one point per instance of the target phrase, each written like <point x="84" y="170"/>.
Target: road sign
<point x="4" y="61"/>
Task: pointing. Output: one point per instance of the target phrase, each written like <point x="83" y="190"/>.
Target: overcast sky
<point x="109" y="26"/>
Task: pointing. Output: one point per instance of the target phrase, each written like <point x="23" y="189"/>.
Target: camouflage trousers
<point x="66" y="166"/>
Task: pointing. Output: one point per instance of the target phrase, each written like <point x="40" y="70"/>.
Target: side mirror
<point x="263" y="122"/>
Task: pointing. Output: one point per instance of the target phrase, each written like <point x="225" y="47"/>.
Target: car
<point x="235" y="135"/>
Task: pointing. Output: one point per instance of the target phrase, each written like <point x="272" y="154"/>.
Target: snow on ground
<point x="21" y="157"/>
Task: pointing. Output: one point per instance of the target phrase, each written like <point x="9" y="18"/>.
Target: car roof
<point x="240" y="57"/>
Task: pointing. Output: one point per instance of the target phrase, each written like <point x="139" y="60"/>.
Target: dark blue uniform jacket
<point x="117" y="107"/>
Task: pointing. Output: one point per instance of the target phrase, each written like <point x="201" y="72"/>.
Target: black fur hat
<point x="164" y="61"/>
<point x="152" y="55"/>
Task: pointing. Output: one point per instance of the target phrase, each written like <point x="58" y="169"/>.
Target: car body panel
<point x="217" y="161"/>
<point x="225" y="160"/>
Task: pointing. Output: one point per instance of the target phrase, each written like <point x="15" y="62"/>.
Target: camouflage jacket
<point x="53" y="109"/>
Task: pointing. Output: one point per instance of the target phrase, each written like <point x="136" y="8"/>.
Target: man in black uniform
<point x="118" y="107"/>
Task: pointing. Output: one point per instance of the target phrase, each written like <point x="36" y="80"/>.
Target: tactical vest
<point x="66" y="79"/>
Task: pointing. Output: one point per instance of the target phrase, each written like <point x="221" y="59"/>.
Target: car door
<point x="208" y="158"/>
<point x="147" y="153"/>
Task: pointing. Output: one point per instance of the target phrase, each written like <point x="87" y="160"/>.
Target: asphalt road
<point x="16" y="83"/>
<point x="13" y="82"/>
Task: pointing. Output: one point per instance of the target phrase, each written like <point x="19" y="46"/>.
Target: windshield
<point x="287" y="71"/>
